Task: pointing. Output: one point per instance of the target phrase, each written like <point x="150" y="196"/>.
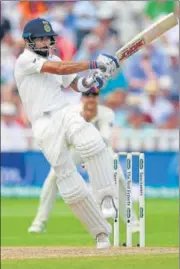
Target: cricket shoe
<point x="38" y="227"/>
<point x="135" y="226"/>
<point x="108" y="207"/>
<point x="102" y="241"/>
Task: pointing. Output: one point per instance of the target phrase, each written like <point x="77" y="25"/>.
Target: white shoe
<point x="102" y="240"/>
<point x="135" y="226"/>
<point x="108" y="207"/>
<point x="37" y="228"/>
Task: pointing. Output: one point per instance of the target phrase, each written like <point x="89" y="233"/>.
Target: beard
<point x="44" y="51"/>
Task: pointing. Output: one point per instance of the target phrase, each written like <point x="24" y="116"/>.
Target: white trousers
<point x="54" y="134"/>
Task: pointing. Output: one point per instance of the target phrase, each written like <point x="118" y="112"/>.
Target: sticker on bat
<point x="134" y="47"/>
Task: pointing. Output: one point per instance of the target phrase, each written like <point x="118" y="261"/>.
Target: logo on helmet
<point x="47" y="28"/>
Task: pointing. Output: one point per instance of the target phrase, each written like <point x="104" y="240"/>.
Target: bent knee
<point x="89" y="142"/>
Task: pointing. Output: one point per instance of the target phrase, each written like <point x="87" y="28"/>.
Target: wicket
<point x="129" y="169"/>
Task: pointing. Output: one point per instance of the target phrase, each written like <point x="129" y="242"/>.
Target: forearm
<point x="107" y="64"/>
<point x="65" y="67"/>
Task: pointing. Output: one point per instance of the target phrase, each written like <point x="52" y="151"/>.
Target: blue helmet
<point x="38" y="28"/>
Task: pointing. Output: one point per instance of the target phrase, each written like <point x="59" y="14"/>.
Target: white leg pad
<point x="74" y="191"/>
<point x="98" y="160"/>
<point x="87" y="140"/>
<point x="76" y="157"/>
<point x="101" y="175"/>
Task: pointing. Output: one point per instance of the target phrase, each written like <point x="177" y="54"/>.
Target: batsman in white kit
<point x="40" y="77"/>
<point x="102" y="118"/>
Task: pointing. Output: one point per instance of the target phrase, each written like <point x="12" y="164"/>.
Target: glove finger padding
<point x="101" y="80"/>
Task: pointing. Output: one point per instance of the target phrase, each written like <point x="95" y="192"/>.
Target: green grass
<point x="65" y="230"/>
<point x="169" y="261"/>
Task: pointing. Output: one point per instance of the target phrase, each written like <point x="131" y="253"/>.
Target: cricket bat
<point x="147" y="36"/>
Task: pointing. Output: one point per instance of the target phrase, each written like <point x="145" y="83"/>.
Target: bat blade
<point x="147" y="36"/>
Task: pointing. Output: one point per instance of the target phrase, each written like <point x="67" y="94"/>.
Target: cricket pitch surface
<point x="8" y="253"/>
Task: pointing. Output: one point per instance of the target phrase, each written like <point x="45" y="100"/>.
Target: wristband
<point x="93" y="64"/>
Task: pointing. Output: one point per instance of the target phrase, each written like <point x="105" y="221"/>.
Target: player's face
<point x="89" y="107"/>
<point x="42" y="42"/>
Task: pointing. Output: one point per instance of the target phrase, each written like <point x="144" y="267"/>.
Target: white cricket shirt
<point x="39" y="92"/>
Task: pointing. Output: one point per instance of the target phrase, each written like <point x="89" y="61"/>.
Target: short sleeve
<point x="66" y="79"/>
<point x="31" y="64"/>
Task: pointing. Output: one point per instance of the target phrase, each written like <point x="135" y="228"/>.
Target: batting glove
<point x="110" y="62"/>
